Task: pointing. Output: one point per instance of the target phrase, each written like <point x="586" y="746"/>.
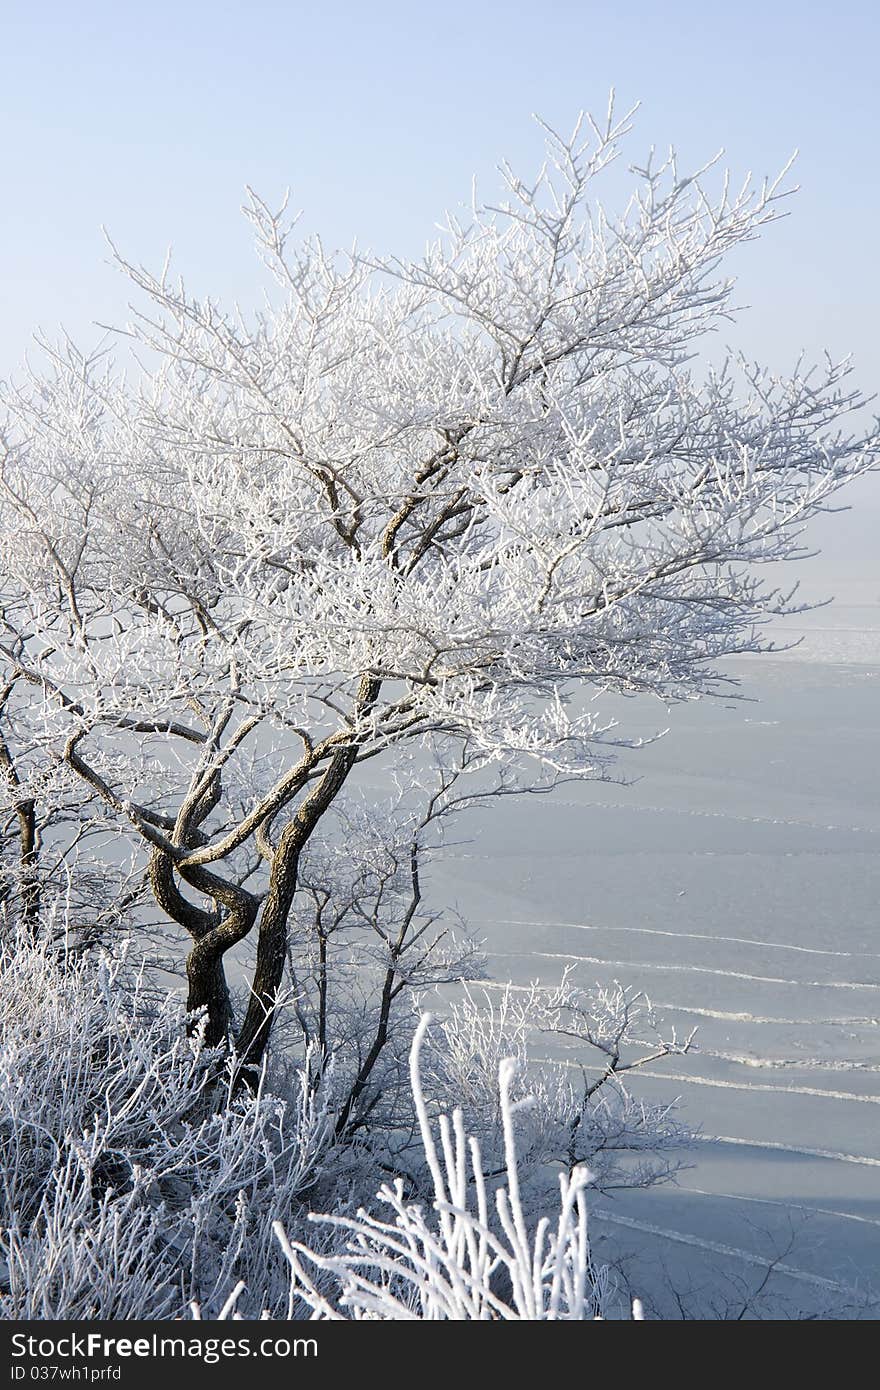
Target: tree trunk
<point x="29" y="841"/>
<point x="209" y="991"/>
<point x="272" y="940"/>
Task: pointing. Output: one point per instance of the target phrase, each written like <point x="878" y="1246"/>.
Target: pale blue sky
<point x="150" y="117"/>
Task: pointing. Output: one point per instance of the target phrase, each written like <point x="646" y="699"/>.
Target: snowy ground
<point x="737" y="884"/>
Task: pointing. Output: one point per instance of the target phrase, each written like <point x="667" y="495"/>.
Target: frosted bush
<point x="471" y="1258"/>
<point x="140" y="1176"/>
<point x="581" y="1111"/>
<point x="131" y="1178"/>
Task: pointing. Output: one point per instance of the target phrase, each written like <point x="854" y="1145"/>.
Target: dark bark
<point x="209" y="992"/>
<point x="213" y="933"/>
<point x="272" y="941"/>
<point x="28" y="840"/>
<point x="170" y="899"/>
<point x="206" y="976"/>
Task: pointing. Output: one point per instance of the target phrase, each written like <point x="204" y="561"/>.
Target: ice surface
<point x="737" y="883"/>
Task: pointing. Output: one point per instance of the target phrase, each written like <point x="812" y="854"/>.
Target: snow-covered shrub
<point x="131" y="1178"/>
<point x="473" y="1257"/>
<point x="137" y="1178"/>
<point x="581" y="1112"/>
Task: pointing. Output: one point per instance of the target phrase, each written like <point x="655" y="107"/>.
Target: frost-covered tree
<point x="450" y="501"/>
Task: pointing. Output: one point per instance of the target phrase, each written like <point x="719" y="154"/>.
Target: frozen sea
<point x="736" y="882"/>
